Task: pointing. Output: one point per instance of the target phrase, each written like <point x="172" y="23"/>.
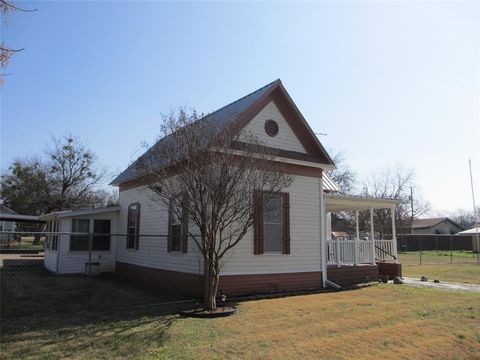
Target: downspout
<point x="323" y="243"/>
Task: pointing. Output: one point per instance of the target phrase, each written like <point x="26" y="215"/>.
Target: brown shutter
<point x="169" y="236"/>
<point x="137" y="228"/>
<point x="286" y="223"/>
<point x="258" y="223"/>
<point x="185" y="204"/>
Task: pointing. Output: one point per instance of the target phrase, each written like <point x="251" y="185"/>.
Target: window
<point x="178" y="228"/>
<point x="271" y="128"/>
<point x="79" y="242"/>
<point x="133" y="230"/>
<point x="52" y="237"/>
<point x="271" y="223"/>
<point x="101" y="242"/>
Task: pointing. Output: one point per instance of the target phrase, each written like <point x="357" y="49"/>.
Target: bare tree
<point x="346" y="179"/>
<point x="343" y="175"/>
<point x="73" y="171"/>
<point x="201" y="170"/>
<point x="393" y="183"/>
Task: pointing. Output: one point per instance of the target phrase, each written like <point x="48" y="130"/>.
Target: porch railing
<point x="350" y="252"/>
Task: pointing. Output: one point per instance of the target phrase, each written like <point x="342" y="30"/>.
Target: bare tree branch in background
<point x="343" y="175"/>
<point x="195" y="169"/>
<point x="393" y="183"/>
<point x="6" y="52"/>
<point x="67" y="178"/>
<point x="346" y="179"/>
<point x="72" y="167"/>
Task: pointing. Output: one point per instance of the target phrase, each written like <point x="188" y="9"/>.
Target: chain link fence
<point x="61" y="273"/>
<point x="429" y="249"/>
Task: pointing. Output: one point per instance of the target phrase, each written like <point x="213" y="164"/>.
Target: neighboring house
<point x="475" y="234"/>
<point x="435" y="226"/>
<point x="12" y="222"/>
<point x="146" y="251"/>
<point x="6" y="224"/>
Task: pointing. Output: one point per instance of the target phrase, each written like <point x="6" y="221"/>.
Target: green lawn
<point x="437" y="257"/>
<point x="384" y="321"/>
<point x="26" y="243"/>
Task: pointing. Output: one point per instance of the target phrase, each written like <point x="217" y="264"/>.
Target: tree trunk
<point x="211" y="279"/>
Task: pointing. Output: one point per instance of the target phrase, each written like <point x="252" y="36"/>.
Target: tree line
<point x="65" y="176"/>
<point x="396" y="183"/>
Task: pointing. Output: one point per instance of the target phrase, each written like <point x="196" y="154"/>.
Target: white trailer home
<point x="298" y="255"/>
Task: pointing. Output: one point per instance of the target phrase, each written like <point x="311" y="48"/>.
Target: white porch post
<point x="394" y="233"/>
<point x="323" y="238"/>
<point x="337" y="243"/>
<point x="372" y="235"/>
<point x="357" y="237"/>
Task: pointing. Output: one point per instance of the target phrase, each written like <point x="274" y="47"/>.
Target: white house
<point x="145" y="251"/>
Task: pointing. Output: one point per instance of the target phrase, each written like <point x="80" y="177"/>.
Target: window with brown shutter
<point x="258" y="223"/>
<point x="133" y="226"/>
<point x="271" y="223"/>
<point x="177" y="228"/>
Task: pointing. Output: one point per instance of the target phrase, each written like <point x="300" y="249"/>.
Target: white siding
<point x="285" y="139"/>
<point x="304" y="238"/>
<point x="152" y="250"/>
<point x="73" y="262"/>
<point x="50" y="260"/>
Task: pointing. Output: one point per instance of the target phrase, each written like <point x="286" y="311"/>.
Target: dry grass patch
<point x="461" y="273"/>
<point x="379" y="322"/>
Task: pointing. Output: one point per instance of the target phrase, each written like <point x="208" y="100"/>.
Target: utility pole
<point x="474" y="211"/>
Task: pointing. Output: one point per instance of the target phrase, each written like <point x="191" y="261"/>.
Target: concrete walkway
<point x="442" y="285"/>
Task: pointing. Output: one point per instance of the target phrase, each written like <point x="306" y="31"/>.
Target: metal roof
<point x="219" y="118"/>
<point x="82" y="212"/>
<point x="329" y="185"/>
<point x="19" y="218"/>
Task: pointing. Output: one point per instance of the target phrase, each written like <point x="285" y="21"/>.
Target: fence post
<point x="451" y="250"/>
<point x="420" y="246"/>
<point x="89" y="271"/>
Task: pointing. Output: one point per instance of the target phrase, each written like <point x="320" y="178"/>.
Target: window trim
<point x="136" y="240"/>
<point x="91" y="227"/>
<point x="259" y="224"/>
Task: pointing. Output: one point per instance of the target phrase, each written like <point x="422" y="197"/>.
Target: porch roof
<point x="82" y="212"/>
<point x="334" y="202"/>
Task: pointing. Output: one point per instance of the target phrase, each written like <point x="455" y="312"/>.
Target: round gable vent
<point x="271" y="128"/>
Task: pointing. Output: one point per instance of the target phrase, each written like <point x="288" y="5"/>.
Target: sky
<point x="388" y="82"/>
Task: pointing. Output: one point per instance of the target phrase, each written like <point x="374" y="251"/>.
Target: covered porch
<point x="359" y="249"/>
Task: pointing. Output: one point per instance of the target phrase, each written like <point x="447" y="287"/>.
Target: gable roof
<point x="426" y="223"/>
<point x="237" y="114"/>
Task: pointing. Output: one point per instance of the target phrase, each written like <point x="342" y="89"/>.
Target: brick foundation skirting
<point x="390" y="269"/>
<point x="351" y="275"/>
<point x="233" y="285"/>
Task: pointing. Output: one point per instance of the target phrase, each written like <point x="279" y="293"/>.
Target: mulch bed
<point x="220" y="311"/>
